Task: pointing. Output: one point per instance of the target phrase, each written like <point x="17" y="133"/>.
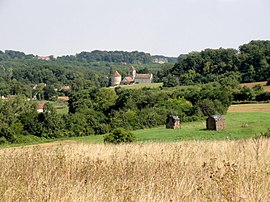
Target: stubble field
<point x="261" y="107"/>
<point x="184" y="171"/>
<point x="266" y="88"/>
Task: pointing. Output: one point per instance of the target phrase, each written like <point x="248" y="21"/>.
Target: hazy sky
<point x="167" y="27"/>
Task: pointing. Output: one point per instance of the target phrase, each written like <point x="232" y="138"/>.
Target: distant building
<point x="143" y="78"/>
<point x="132" y="78"/>
<point x="44" y="57"/>
<point x="66" y="88"/>
<point x="172" y="122"/>
<point x="215" y="122"/>
<point x="116" y="78"/>
<point x="127" y="81"/>
<point x="160" y="60"/>
<point x="40" y="107"/>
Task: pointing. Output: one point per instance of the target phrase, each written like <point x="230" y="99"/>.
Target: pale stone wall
<point x="115" y="81"/>
<point x="142" y="80"/>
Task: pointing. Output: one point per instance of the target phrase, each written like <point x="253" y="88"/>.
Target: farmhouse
<point x="40" y="107"/>
<point x="132" y="78"/>
<point x="143" y="78"/>
<point x="215" y="122"/>
<point x="172" y="122"/>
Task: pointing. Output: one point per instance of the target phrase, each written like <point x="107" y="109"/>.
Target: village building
<point x="143" y="78"/>
<point x="172" y="122"/>
<point x="215" y="122"/>
<point x="40" y="107"/>
<point x="115" y="78"/>
<point x="44" y="57"/>
<point x="66" y="88"/>
<point x="127" y="81"/>
<point x="132" y="78"/>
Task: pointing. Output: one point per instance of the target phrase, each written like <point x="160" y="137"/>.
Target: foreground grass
<point x="185" y="171"/>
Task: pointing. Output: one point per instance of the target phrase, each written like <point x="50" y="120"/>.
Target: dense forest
<point x="251" y="63"/>
<point x="198" y="84"/>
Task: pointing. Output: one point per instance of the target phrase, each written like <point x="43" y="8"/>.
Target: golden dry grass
<point x="251" y="85"/>
<point x="250" y="108"/>
<point x="186" y="171"/>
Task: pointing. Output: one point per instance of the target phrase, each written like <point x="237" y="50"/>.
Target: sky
<point x="159" y="27"/>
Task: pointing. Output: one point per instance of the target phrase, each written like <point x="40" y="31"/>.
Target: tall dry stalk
<point x="185" y="171"/>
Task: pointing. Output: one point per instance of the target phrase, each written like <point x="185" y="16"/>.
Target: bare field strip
<point x="251" y="85"/>
<point x="250" y="108"/>
<point x="185" y="171"/>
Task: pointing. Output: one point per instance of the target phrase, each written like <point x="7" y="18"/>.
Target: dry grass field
<point x="250" y="108"/>
<point x="184" y="171"/>
<point x="251" y="85"/>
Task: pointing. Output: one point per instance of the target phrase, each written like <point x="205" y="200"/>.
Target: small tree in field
<point x="119" y="135"/>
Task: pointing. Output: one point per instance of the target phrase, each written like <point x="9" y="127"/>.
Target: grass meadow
<point x="182" y="171"/>
<point x="187" y="164"/>
<point x="239" y="125"/>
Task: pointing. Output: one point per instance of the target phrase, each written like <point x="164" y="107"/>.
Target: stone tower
<point x="115" y="78"/>
<point x="132" y="72"/>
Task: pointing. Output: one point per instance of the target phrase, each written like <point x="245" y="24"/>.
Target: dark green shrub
<point x="8" y="134"/>
<point x="20" y="139"/>
<point x="210" y="107"/>
<point x="265" y="134"/>
<point x="265" y="96"/>
<point x="119" y="135"/>
<point x="268" y="82"/>
<point x="3" y="140"/>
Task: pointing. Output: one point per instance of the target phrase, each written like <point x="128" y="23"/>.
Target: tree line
<point x="248" y="64"/>
<point x="20" y="72"/>
<point x="95" y="111"/>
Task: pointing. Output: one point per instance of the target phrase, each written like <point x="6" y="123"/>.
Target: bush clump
<point x="265" y="134"/>
<point x="119" y="135"/>
<point x="3" y="140"/>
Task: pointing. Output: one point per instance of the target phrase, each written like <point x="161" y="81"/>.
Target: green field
<point x="239" y="126"/>
<point x="142" y="85"/>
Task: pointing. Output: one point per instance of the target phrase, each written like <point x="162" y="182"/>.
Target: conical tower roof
<point x="116" y="74"/>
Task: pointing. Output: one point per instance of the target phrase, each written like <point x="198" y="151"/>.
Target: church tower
<point x="132" y="72"/>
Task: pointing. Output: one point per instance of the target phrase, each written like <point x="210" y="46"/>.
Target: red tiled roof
<point x="116" y="74"/>
<point x="129" y="79"/>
